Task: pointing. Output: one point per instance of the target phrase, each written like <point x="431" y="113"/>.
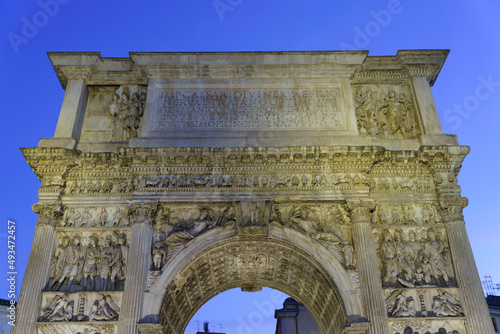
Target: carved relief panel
<point x="423" y="303"/>
<point x="89" y="261"/>
<point x="113" y="114"/>
<point x="327" y="224"/>
<point x="177" y="224"/>
<point x="91" y="188"/>
<point x="414" y="257"/>
<point x="406" y="214"/>
<point x="282" y="181"/>
<point x="66" y="307"/>
<point x="386" y="112"/>
<point x="95" y="217"/>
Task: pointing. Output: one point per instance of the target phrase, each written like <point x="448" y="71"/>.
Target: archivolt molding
<point x="237" y="261"/>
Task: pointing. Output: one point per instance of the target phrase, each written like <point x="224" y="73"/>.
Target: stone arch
<point x="223" y="261"/>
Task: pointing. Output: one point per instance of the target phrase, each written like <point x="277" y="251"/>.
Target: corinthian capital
<point x="360" y="210"/>
<point x="48" y="214"/>
<point x="142" y="212"/>
<point x="452" y="208"/>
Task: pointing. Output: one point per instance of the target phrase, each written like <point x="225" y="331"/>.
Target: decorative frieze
<point x="95" y="217"/>
<point x="407" y="214"/>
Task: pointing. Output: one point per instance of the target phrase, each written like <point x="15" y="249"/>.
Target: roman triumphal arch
<point x="173" y="177"/>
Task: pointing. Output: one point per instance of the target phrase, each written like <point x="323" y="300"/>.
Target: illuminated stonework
<point x="173" y="177"/>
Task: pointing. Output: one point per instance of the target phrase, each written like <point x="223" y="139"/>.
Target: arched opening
<point x="252" y="263"/>
<point x="234" y="311"/>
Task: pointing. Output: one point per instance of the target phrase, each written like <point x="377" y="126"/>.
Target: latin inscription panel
<point x="249" y="109"/>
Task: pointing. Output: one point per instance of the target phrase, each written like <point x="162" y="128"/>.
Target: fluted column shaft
<point x="472" y="298"/>
<point x="136" y="277"/>
<point x="35" y="278"/>
<point x="369" y="273"/>
<point x="369" y="278"/>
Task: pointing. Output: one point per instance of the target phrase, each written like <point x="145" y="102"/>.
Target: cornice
<point x="139" y="67"/>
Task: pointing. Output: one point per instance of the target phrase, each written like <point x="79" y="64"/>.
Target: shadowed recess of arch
<point x="252" y="262"/>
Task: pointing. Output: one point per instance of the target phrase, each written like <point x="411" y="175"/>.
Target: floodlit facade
<point x="172" y="177"/>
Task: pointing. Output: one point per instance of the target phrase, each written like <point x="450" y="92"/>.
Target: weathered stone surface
<point x="173" y="177"/>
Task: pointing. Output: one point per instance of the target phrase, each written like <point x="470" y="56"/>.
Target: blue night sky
<point x="467" y="91"/>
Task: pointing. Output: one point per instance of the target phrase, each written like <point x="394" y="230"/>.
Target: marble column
<point x="137" y="267"/>
<point x="369" y="272"/>
<point x="476" y="311"/>
<point x="38" y="270"/>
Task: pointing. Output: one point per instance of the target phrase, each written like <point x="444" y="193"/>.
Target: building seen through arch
<point x="173" y="177"/>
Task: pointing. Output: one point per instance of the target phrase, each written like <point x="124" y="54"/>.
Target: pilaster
<point x="71" y="116"/>
<point x="369" y="277"/>
<point x="472" y="298"/>
<point x="38" y="269"/>
<point x="137" y="267"/>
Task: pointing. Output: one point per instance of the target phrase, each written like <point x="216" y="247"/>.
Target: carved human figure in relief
<point x="445" y="305"/>
<point x="399" y="305"/>
<point x="59" y="309"/>
<point x="433" y="251"/>
<point x="123" y="248"/>
<point x="126" y="115"/>
<point x="120" y="217"/>
<point x="384" y="216"/>
<point x="86" y="218"/>
<point x="196" y="227"/>
<point x="159" y="256"/>
<point x="90" y="266"/>
<point x="412" y="249"/>
<point x="391" y="110"/>
<point x="423" y="274"/>
<point x="133" y="116"/>
<point x="366" y="105"/>
<point x="405" y="268"/>
<point x="114" y="110"/>
<point x="389" y="259"/>
<point x="107" y="261"/>
<point x="349" y="256"/>
<point x="426" y="215"/>
<point x="104" y="309"/>
<point x="58" y="261"/>
<point x="303" y="222"/>
<point x="72" y="217"/>
<point x="73" y="263"/>
<point x="102" y="217"/>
